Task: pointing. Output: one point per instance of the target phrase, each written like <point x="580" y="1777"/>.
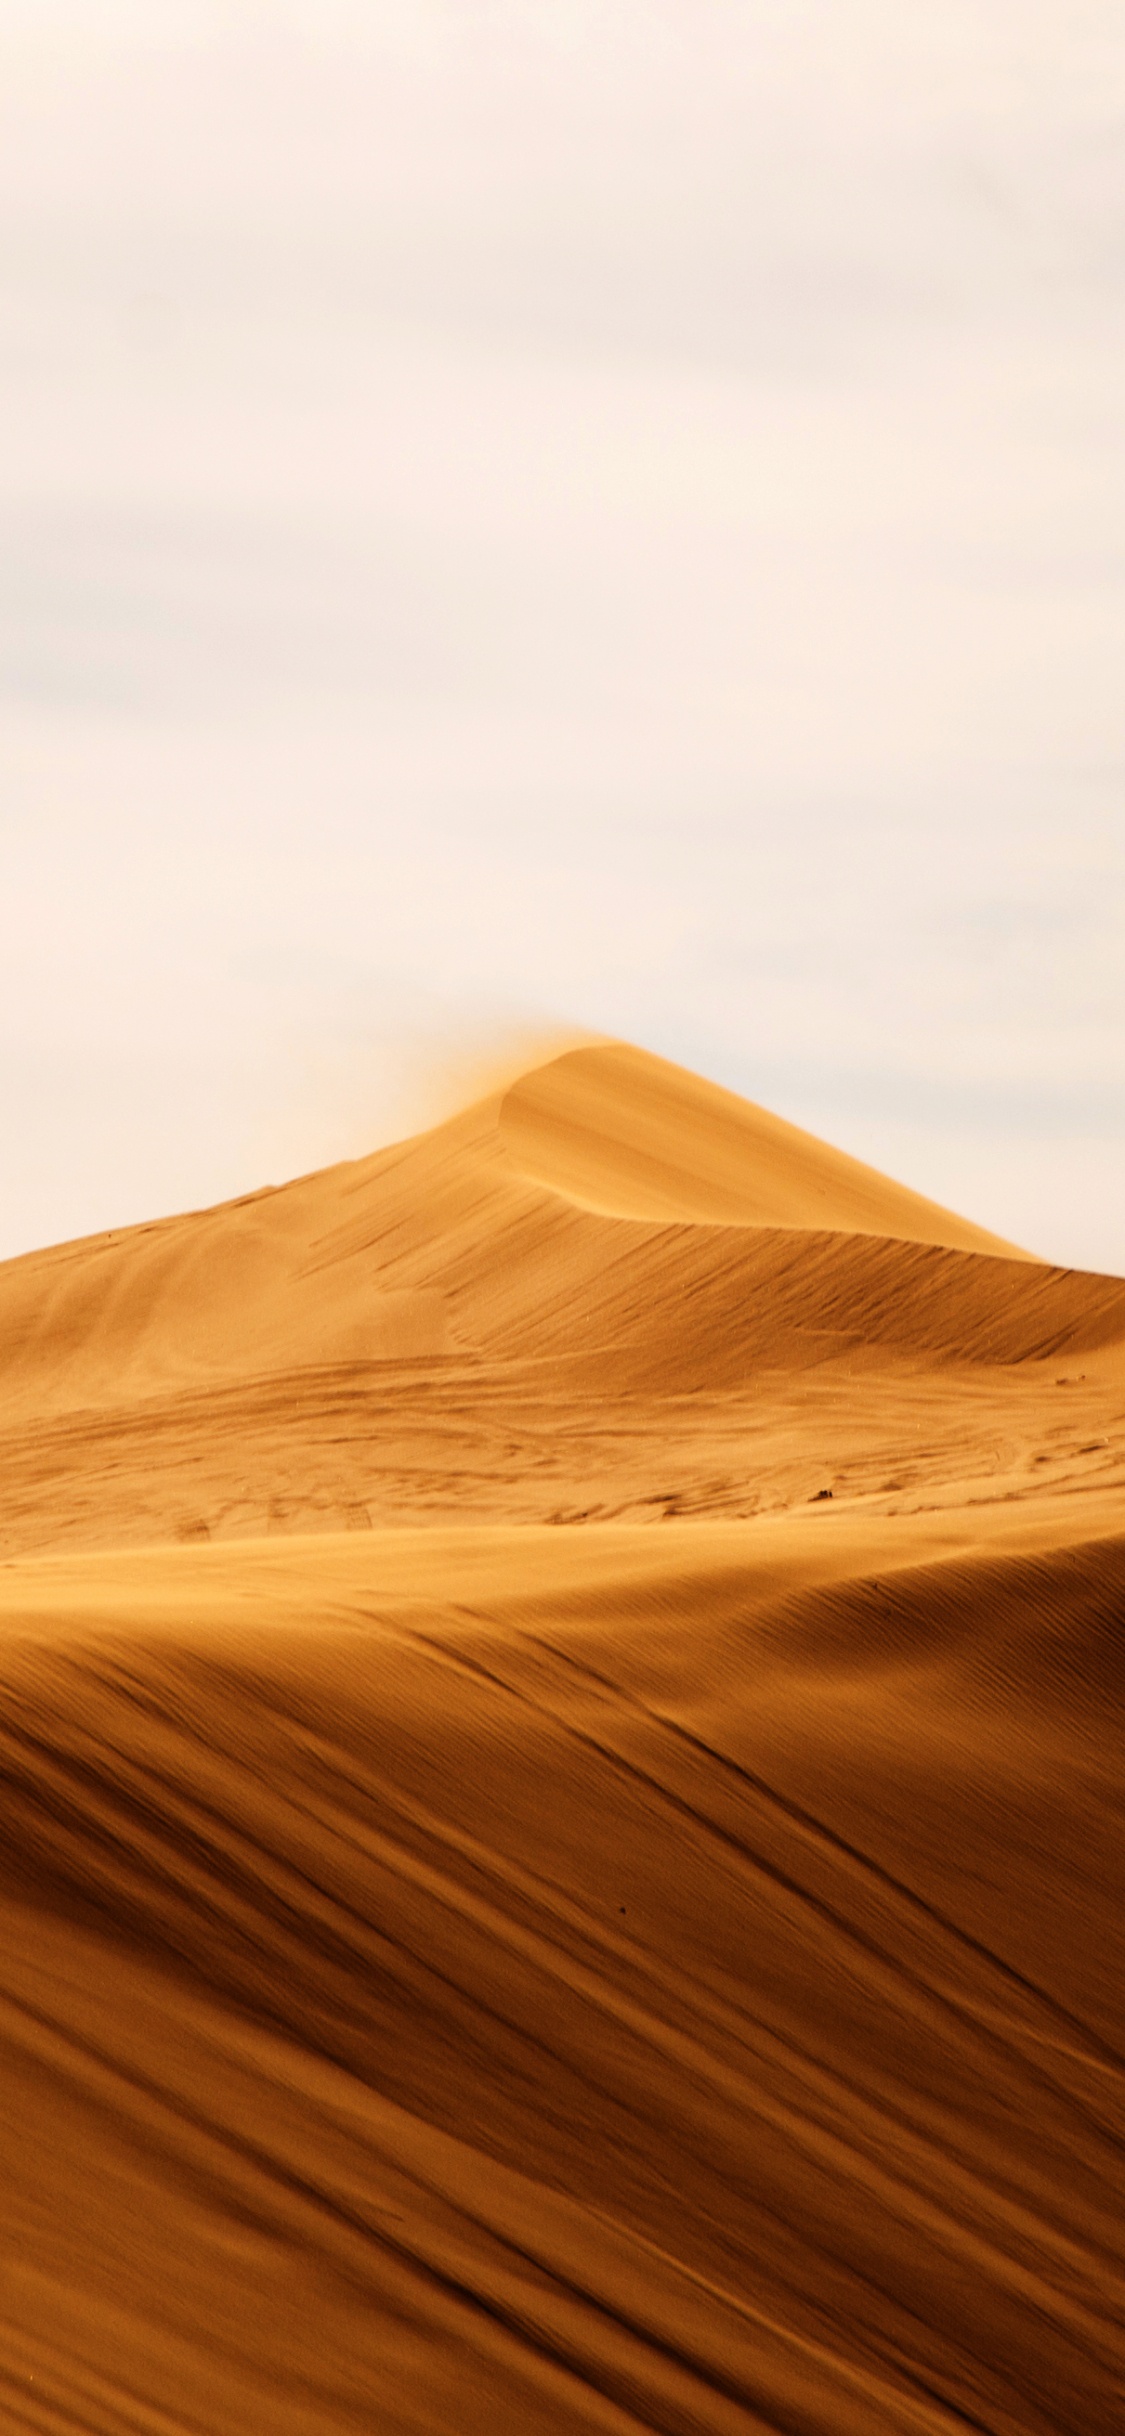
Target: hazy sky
<point x="600" y="511"/>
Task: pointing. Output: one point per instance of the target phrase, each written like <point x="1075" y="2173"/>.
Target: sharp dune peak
<point x="630" y="1135"/>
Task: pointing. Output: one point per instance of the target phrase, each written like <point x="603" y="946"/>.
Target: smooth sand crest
<point x="463" y="1972"/>
<point x="620" y="1131"/>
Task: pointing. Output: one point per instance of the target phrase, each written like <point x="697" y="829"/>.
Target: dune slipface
<point x="562" y="1853"/>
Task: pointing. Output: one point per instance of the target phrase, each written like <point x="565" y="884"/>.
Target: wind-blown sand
<point x="461" y="1973"/>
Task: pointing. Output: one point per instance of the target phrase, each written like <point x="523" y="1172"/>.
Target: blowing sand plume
<point x="463" y="1971"/>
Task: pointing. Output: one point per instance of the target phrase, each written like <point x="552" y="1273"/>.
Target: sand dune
<point x="626" y="1133"/>
<point x="465" y="1973"/>
<point x="452" y="1328"/>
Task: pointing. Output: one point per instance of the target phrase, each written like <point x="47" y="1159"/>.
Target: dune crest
<point x="631" y="1136"/>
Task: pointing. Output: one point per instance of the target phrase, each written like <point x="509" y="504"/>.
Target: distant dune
<point x="464" y="1973"/>
<point x="625" y="1133"/>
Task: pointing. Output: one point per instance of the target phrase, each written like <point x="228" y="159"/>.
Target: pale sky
<point x="598" y="512"/>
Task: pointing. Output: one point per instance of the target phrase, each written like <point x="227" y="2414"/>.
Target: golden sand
<point x="561" y="1746"/>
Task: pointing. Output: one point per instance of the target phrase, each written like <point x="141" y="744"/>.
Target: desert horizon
<point x="561" y="1824"/>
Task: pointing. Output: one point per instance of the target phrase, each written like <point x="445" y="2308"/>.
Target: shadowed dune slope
<point x="673" y="1987"/>
<point x="461" y="1975"/>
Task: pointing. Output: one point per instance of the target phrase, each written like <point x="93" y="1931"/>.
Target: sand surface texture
<point x="461" y="1972"/>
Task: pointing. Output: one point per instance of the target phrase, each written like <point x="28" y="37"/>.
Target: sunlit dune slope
<point x="402" y="1335"/>
<point x="413" y="1252"/>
